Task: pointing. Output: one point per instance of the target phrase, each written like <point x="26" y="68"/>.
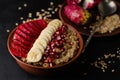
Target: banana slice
<point x="43" y="42"/>
<point x="34" y="55"/>
<point x="51" y="29"/>
<point x="55" y="23"/>
<point x="47" y="34"/>
<point x="37" y="44"/>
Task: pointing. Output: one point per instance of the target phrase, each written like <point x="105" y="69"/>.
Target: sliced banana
<point x="55" y="23"/>
<point x="34" y="55"/>
<point x="46" y="37"/>
<point x="51" y="29"/>
<point x="43" y="42"/>
<point x="47" y="34"/>
<point x="37" y="44"/>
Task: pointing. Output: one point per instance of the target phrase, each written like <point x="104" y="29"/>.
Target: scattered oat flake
<point x="113" y="70"/>
<point x="42" y="14"/>
<point x="7" y="30"/>
<point x="25" y="5"/>
<point x="16" y="24"/>
<point x="85" y="74"/>
<point x="59" y="5"/>
<point x="21" y="18"/>
<point x="29" y="15"/>
<point x="19" y="8"/>
<point x="106" y="61"/>
<point x="51" y="3"/>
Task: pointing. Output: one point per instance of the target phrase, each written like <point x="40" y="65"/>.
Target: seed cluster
<point x="42" y="14"/>
<point x="106" y="61"/>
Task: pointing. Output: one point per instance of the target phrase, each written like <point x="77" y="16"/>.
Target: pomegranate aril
<point x="54" y="50"/>
<point x="51" y="64"/>
<point x="63" y="36"/>
<point x="46" y="55"/>
<point x="48" y="48"/>
<point x="62" y="49"/>
<point x="58" y="38"/>
<point x="70" y="43"/>
<point x="46" y="61"/>
<point x="50" y="59"/>
<point x="52" y="53"/>
<point x="63" y="29"/>
<point x="57" y="33"/>
<point x="52" y="44"/>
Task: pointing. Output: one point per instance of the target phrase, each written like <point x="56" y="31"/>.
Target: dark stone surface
<point x="9" y="70"/>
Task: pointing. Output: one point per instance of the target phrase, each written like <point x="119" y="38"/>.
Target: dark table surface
<point x="100" y="61"/>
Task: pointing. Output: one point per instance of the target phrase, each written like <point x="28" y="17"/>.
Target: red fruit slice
<point x="23" y="45"/>
<point x="35" y="28"/>
<point x="38" y="26"/>
<point x="25" y="35"/>
<point x="26" y="31"/>
<point x="16" y="47"/>
<point x="32" y="30"/>
<point x="22" y="39"/>
<point x="42" y="23"/>
<point x="22" y="34"/>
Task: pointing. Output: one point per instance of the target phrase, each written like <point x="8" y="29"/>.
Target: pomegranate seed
<point x="52" y="45"/>
<point x="51" y="64"/>
<point x="54" y="50"/>
<point x="63" y="36"/>
<point x="52" y="54"/>
<point x="58" y="37"/>
<point x="48" y="48"/>
<point x="57" y="33"/>
<point x="46" y="61"/>
<point x="60" y="44"/>
<point x="50" y="60"/>
<point x="70" y="43"/>
<point x="46" y="55"/>
<point x="63" y="29"/>
<point x="62" y="49"/>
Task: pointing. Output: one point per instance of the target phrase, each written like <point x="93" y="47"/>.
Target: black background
<point x="80" y="70"/>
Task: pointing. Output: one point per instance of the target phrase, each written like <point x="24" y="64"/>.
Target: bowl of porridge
<point x="40" y="47"/>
